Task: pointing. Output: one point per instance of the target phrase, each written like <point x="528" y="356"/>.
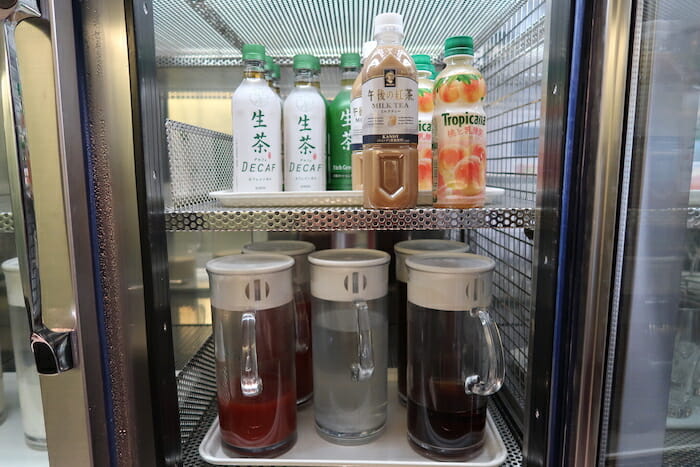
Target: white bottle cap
<point x="349" y="274"/>
<point x="367" y="48"/>
<point x="297" y="249"/>
<point x="388" y="22"/>
<point x="450" y="281"/>
<point x="255" y="281"/>
<point x="408" y="248"/>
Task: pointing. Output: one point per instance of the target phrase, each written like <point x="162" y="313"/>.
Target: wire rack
<point x="212" y="32"/>
<point x="196" y="386"/>
<point x="511" y="59"/>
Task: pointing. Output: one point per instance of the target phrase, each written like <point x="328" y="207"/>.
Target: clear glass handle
<point x="364" y="368"/>
<point x="301" y="326"/>
<point x="251" y="384"/>
<point x="475" y="384"/>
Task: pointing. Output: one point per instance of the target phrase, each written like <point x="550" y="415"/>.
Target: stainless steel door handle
<point x="52" y="348"/>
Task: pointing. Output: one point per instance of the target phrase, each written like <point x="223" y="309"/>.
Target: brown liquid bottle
<point x="390" y="120"/>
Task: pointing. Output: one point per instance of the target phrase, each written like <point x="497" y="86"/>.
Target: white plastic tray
<point x="391" y="448"/>
<point x="232" y="199"/>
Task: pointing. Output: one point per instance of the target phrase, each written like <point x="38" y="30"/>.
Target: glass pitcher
<point x="350" y="343"/>
<point x="455" y="354"/>
<point x="402" y="251"/>
<point x="253" y="319"/>
<point x="299" y="251"/>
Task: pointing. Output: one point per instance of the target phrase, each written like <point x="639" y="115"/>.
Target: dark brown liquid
<point x="402" y="338"/>
<point x="452" y="431"/>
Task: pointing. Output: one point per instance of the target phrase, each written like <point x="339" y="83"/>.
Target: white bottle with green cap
<point x="257" y="128"/>
<point x="304" y="130"/>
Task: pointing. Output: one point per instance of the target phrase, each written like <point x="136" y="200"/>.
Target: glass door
<point x="651" y="399"/>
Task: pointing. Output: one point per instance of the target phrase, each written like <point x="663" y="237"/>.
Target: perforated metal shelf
<point x="6" y="222"/>
<point x="328" y="219"/>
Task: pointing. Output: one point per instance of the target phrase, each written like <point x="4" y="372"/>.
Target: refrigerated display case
<point x="592" y="111"/>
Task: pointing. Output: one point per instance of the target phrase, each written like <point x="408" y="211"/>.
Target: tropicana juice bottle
<point x="459" y="128"/>
<point x="390" y="120"/>
<point x="304" y="131"/>
<point x="257" y="128"/>
<point x="339" y="121"/>
<point x="425" y="69"/>
<point x="356" y="124"/>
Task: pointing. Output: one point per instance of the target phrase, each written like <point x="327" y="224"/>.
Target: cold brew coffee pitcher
<point x="455" y="354"/>
<point x="254" y="337"/>
<point x="350" y="343"/>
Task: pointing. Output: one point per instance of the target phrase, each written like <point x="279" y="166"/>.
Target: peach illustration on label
<point x="469" y="88"/>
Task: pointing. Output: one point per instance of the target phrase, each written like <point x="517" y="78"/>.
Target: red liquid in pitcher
<point x="304" y="366"/>
<point x="453" y="428"/>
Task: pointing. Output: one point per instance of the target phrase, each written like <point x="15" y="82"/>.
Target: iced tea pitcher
<point x="299" y="251"/>
<point x="455" y="354"/>
<point x="350" y="333"/>
<point x="402" y="251"/>
<point x="253" y="318"/>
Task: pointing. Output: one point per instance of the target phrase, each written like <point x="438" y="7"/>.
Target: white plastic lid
<point x="255" y="281"/>
<point x="415" y="247"/>
<point x="13" y="282"/>
<point x="284" y="247"/>
<point x="450" y="281"/>
<point x="348" y="274"/>
<point x="258" y="263"/>
<point x="295" y="248"/>
<point x="367" y="48"/>
<point x="388" y="22"/>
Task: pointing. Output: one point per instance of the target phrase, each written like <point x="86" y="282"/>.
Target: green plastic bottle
<point x="339" y="120"/>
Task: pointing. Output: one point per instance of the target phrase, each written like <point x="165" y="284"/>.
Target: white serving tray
<point x="391" y="448"/>
<point x="232" y="199"/>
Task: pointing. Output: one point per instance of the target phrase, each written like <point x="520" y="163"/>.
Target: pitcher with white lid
<point x="254" y="338"/>
<point x="299" y="251"/>
<point x="350" y="343"/>
<point x="402" y="251"/>
<point x="455" y="354"/>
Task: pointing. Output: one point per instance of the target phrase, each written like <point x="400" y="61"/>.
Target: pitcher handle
<point x="475" y="384"/>
<point x="364" y="368"/>
<point x="251" y="383"/>
<point x="301" y="326"/>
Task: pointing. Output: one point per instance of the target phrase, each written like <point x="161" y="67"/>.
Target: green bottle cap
<point x="268" y="63"/>
<point x="423" y="63"/>
<point x="317" y="64"/>
<point x="254" y="52"/>
<point x="276" y="72"/>
<point x="349" y="60"/>
<point x="304" y="62"/>
<point x="459" y="45"/>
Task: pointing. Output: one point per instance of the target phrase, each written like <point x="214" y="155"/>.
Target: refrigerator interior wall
<point x="198" y="48"/>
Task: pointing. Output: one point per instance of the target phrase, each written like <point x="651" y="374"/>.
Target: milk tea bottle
<point x="459" y="128"/>
<point x="390" y="120"/>
<point x="356" y="123"/>
<point x="257" y="128"/>
<point x="304" y="131"/>
<point x="425" y="69"/>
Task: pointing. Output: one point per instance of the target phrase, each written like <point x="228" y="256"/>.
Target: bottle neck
<point x="253" y="69"/>
<point x="347" y="77"/>
<point x="303" y="77"/>
<point x="424" y="74"/>
<point x="388" y="38"/>
<point x="459" y="60"/>
<point x="316" y="80"/>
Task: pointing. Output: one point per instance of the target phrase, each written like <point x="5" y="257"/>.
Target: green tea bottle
<point x="339" y="121"/>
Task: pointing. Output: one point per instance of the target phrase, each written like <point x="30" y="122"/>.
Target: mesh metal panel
<point x="216" y="29"/>
<point x="200" y="161"/>
<point x="511" y="59"/>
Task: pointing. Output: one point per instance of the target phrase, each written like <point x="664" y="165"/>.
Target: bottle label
<point x="356" y="127"/>
<point x="390" y="109"/>
<point x="425" y="135"/>
<point x="461" y="157"/>
<point x="257" y="139"/>
<point x="340" y="138"/>
<point x="305" y="142"/>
